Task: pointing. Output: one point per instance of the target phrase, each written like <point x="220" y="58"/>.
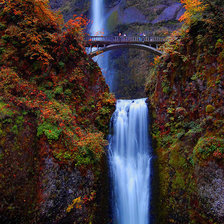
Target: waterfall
<point x="98" y="28"/>
<point x="129" y="156"/>
<point x="97" y="18"/>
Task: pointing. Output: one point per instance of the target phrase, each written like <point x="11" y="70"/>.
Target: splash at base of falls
<point x="129" y="156"/>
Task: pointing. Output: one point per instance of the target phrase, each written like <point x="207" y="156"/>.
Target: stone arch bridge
<point x="100" y="44"/>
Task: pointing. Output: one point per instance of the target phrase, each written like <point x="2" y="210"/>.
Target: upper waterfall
<point x="97" y="11"/>
<point x="98" y="28"/>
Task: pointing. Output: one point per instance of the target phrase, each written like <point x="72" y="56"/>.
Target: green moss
<point x="67" y="155"/>
<point x="50" y="94"/>
<point x="85" y="109"/>
<point x="58" y="90"/>
<point x="167" y="140"/>
<point x="166" y="87"/>
<point x="6" y="38"/>
<point x="207" y="147"/>
<point x="51" y="131"/>
<point x="19" y="120"/>
<point x="68" y="92"/>
<point x="170" y="110"/>
<point x="4" y="111"/>
<point x="194" y="130"/>
<point x="61" y="64"/>
<point x="180" y="134"/>
<point x="14" y="129"/>
<point x="178" y="181"/>
<point x="210" y="109"/>
<point x="104" y="111"/>
<point x="83" y="159"/>
<point x="2" y="26"/>
<point x="7" y="120"/>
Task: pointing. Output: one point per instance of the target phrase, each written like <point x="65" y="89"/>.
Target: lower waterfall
<point x="129" y="157"/>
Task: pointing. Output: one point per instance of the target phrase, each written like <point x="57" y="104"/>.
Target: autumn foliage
<point x="48" y="70"/>
<point x="47" y="82"/>
<point x="193" y="8"/>
<point x="186" y="93"/>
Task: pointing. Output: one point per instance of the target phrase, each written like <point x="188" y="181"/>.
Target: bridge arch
<point x="107" y="43"/>
<point x="118" y="46"/>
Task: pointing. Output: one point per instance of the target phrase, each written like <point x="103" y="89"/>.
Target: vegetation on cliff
<point x="53" y="100"/>
<point x="186" y="92"/>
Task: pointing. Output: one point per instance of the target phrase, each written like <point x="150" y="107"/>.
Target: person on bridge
<point x="143" y="39"/>
<point x="140" y="37"/>
<point x="119" y="36"/>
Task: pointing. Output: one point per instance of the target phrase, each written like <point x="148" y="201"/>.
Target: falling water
<point x="130" y="162"/>
<point x="98" y="28"/>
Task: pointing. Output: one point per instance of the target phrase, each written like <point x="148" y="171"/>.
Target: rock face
<point x="210" y="181"/>
<point x="59" y="187"/>
<point x="133" y="15"/>
<point x="55" y="109"/>
<point x="56" y="4"/>
<point x="120" y="12"/>
<point x="188" y="126"/>
<point x="19" y="170"/>
<point x="161" y="11"/>
<point x="38" y="189"/>
<point x="71" y="7"/>
<point x="112" y="3"/>
<point x="171" y="12"/>
<point x="126" y="12"/>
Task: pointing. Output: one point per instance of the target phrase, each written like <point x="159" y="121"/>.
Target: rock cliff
<point x="55" y="109"/>
<point x="186" y="94"/>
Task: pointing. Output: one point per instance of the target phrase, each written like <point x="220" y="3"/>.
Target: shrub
<point x="5" y="111"/>
<point x="209" y="146"/>
<point x="58" y="90"/>
<point x="51" y="131"/>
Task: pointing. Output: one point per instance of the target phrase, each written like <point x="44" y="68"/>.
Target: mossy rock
<point x="209" y="148"/>
<point x="51" y="131"/>
<point x="210" y="109"/>
<point x="5" y="111"/>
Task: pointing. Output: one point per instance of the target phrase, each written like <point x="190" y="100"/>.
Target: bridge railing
<point x="124" y="39"/>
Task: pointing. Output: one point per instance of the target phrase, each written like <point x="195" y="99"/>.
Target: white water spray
<point x="129" y="155"/>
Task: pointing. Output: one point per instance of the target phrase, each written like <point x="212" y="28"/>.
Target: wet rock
<point x="133" y="15"/>
<point x="170" y="13"/>
<point x="70" y="8"/>
<point x="158" y="9"/>
<point x="60" y="187"/>
<point x="55" y="4"/>
<point x="180" y="13"/>
<point x="211" y="189"/>
<point x="112" y="3"/>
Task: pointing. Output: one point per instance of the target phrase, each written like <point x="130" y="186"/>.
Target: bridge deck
<point x="92" y="41"/>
